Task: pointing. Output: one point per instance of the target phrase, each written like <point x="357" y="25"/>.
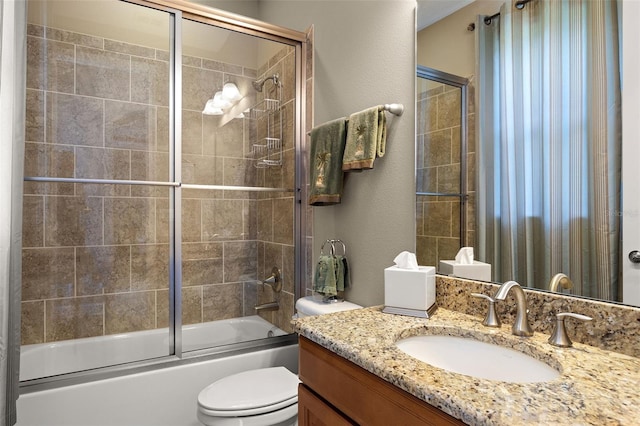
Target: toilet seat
<point x="250" y="393"/>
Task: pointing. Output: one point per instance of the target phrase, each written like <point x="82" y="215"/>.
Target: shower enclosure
<point x="141" y="212"/>
<point x="444" y="179"/>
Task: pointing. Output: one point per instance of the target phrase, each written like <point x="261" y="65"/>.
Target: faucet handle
<point x="559" y="337"/>
<point x="491" y="319"/>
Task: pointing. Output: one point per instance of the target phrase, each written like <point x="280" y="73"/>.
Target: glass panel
<point x="232" y="239"/>
<point x="95" y="274"/>
<point x="96" y="256"/>
<point x="438" y="230"/>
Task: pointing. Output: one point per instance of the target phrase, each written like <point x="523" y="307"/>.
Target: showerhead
<point x="259" y="84"/>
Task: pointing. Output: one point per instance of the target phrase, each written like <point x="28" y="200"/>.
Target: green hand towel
<point x="366" y="139"/>
<point x="325" y="165"/>
<point x="325" y="278"/>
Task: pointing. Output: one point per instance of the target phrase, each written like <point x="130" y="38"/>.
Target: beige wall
<point x="447" y="45"/>
<point x="364" y="56"/>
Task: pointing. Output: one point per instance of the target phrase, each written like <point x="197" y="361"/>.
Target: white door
<point x="630" y="152"/>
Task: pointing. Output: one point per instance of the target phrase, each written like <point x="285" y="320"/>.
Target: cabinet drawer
<point x="362" y="396"/>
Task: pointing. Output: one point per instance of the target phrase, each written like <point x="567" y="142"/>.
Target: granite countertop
<point x="595" y="387"/>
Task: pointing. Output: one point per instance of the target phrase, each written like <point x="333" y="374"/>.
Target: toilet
<point x="264" y="396"/>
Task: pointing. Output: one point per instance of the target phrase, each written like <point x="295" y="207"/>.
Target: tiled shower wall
<point x="96" y="257"/>
<point x="438" y="170"/>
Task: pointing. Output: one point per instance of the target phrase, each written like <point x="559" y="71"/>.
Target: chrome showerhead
<point x="259" y="84"/>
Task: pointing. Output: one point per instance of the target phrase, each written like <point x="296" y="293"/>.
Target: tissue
<point x="406" y="260"/>
<point x="465" y="256"/>
<point x="409" y="286"/>
<point x="464" y="266"/>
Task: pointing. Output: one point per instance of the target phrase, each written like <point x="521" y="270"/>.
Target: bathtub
<point x="49" y="359"/>
<point x="161" y="397"/>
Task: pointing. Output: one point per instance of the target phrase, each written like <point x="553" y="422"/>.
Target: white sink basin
<point x="478" y="359"/>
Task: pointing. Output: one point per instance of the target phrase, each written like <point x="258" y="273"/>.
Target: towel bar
<point x="395" y="109"/>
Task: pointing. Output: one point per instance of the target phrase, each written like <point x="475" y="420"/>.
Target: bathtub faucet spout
<point x="271" y="306"/>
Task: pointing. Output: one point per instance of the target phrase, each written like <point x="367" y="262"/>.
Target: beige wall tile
<point x="129" y="221"/>
<point x="74" y="318"/>
<point x="240" y="261"/>
<point x="202" y="170"/>
<point x="32" y="221"/>
<point x="130" y="126"/>
<point x="74" y="38"/>
<point x="74" y="120"/>
<point x="222" y="301"/>
<point x="283" y="220"/>
<point x="50" y="161"/>
<point x="32" y="322"/>
<point x="73" y="221"/>
<point x="149" y="267"/>
<point x="449" y="109"/>
<point x="34" y="116"/>
<point x="101" y="270"/>
<point x="265" y="220"/>
<point x="191" y="220"/>
<point x="150" y="81"/>
<point x="100" y="163"/>
<point x="47" y="273"/>
<point x="50" y="65"/>
<point x="222" y="220"/>
<point x="129" y="49"/>
<point x="102" y="74"/>
<point x="192" y="132"/>
<point x="126" y="312"/>
<point x="198" y="86"/>
<point x="438" y="219"/>
<point x="437" y="148"/>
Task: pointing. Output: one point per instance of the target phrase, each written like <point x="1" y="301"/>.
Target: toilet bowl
<point x="261" y="397"/>
<point x="264" y="396"/>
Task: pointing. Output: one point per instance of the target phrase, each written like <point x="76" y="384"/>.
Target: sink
<point x="477" y="359"/>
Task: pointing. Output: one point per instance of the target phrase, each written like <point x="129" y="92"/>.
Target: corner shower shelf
<point x="267" y="151"/>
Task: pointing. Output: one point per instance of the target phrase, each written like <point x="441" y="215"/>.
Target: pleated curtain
<point x="549" y="144"/>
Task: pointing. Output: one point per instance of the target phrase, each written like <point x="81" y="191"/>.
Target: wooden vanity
<point x="353" y="373"/>
<point x="337" y="392"/>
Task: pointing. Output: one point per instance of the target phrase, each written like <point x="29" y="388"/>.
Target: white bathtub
<point x="162" y="397"/>
<point x="48" y="359"/>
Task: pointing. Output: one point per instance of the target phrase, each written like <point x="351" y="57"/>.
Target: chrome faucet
<point x="560" y="280"/>
<point x="521" y="326"/>
<point x="269" y="306"/>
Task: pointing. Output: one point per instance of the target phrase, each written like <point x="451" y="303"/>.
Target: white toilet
<point x="264" y="396"/>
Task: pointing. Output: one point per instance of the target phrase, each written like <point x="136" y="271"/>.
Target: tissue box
<point x="475" y="271"/>
<point x="410" y="288"/>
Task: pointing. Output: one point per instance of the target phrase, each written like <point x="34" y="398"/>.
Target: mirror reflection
<point x="544" y="142"/>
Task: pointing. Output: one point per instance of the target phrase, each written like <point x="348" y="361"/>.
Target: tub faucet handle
<point x="491" y="319"/>
<point x="559" y="337"/>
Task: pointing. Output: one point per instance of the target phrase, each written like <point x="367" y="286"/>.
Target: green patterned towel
<point x="325" y="165"/>
<point x="366" y="139"/>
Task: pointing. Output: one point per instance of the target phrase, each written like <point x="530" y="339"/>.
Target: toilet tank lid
<point x="313" y="305"/>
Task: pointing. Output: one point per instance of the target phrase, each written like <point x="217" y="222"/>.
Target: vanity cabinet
<point x="335" y="391"/>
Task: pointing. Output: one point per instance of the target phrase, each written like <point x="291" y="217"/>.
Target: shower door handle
<point x="634" y="256"/>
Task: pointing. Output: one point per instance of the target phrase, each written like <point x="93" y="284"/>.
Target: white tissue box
<point x="474" y="271"/>
<point x="410" y="288"/>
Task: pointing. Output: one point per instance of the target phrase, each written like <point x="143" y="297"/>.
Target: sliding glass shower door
<point x="148" y="218"/>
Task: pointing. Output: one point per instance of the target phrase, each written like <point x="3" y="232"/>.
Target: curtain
<point x="12" y="123"/>
<point x="549" y="144"/>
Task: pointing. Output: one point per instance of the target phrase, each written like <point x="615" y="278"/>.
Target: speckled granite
<point x="595" y="387"/>
<point x="614" y="327"/>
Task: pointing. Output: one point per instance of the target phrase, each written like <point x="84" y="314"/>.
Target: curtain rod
<point x="487" y="20"/>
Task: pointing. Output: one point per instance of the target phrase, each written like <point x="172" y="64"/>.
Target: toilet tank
<point x="313" y="305"/>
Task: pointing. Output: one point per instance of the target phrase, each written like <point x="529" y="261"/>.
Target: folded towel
<point x="342" y="272"/>
<point x="366" y="139"/>
<point x="332" y="275"/>
<point x="325" y="171"/>
<point x="325" y="278"/>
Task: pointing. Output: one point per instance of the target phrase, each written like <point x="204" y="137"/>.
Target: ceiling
<point x="430" y="11"/>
